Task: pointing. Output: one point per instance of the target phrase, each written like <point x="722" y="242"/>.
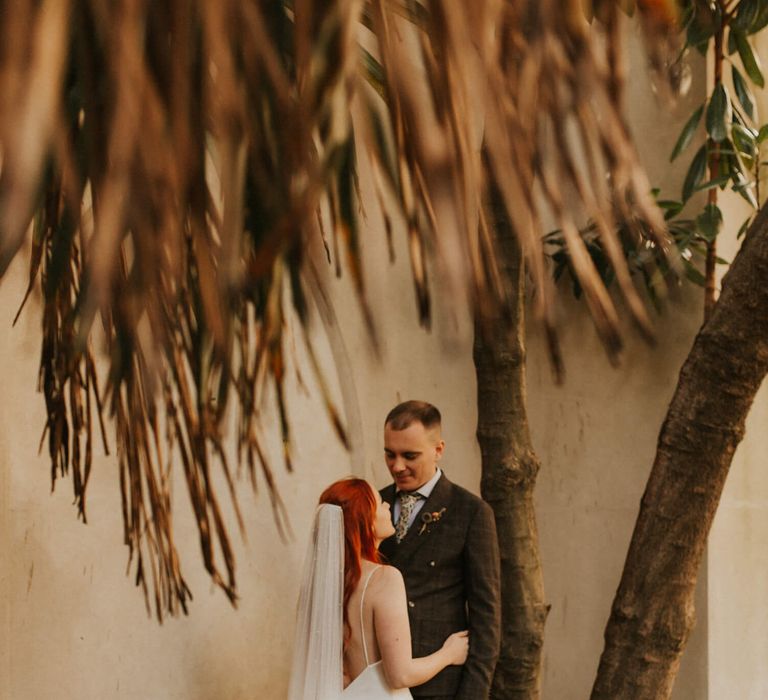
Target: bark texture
<point x="509" y="470"/>
<point x="652" y="613"/>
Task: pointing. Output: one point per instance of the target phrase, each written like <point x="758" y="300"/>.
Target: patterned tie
<point x="407" y="503"/>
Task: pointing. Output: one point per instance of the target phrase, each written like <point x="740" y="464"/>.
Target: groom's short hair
<point x="402" y="415"/>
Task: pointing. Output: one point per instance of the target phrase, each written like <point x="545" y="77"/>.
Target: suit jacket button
<point x="410" y="603"/>
<point x="431" y="563"/>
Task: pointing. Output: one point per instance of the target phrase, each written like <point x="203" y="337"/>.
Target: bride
<point x="353" y="640"/>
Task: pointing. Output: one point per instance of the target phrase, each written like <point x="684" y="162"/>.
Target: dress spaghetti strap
<point x="362" y="628"/>
<point x="371" y="683"/>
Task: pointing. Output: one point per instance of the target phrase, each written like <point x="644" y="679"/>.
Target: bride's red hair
<point x="358" y="505"/>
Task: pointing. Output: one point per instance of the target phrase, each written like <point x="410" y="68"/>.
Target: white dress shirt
<point x="424" y="491"/>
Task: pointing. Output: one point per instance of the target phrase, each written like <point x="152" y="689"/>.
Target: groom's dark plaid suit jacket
<point x="451" y="572"/>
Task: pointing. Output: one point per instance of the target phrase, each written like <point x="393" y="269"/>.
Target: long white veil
<point x="317" y="671"/>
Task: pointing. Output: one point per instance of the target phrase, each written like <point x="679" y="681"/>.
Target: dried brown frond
<point x="173" y="158"/>
<point x="549" y="88"/>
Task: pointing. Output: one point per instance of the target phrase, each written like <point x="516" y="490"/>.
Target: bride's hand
<point x="457" y="646"/>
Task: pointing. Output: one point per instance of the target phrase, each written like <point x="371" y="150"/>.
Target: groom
<point x="445" y="546"/>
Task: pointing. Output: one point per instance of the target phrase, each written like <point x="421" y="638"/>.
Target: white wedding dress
<point x="318" y="658"/>
<point x="371" y="684"/>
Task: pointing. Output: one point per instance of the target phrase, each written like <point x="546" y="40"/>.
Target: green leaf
<point x="746" y="130"/>
<point x="687" y="133"/>
<point x="711" y="184"/>
<point x="749" y="60"/>
<point x="694" y="274"/>
<point x="671" y="208"/>
<point x="743" y="92"/>
<point x="762" y="20"/>
<point x="762" y="135"/>
<point x="733" y="162"/>
<point x="709" y="222"/>
<point x="682" y="230"/>
<point x="725" y="169"/>
<point x="719" y="113"/>
<point x="686" y="15"/>
<point x="743" y="228"/>
<point x="695" y="172"/>
<point x="744" y="140"/>
<point x="699" y="33"/>
<point x="744" y="188"/>
<point x="746" y="16"/>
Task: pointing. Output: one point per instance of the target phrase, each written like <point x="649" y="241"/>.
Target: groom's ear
<point x="439" y="449"/>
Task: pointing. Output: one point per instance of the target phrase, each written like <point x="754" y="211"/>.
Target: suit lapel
<point x="388" y="546"/>
<point x="388" y="496"/>
<point x="416" y="537"/>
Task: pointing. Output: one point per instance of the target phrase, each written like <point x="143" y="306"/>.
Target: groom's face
<point x="412" y="454"/>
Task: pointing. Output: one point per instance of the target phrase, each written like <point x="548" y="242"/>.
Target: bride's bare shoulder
<point x="386" y="570"/>
<point x="387" y="578"/>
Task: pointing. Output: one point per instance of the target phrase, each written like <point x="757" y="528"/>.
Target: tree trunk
<point x="509" y="471"/>
<point x="653" y="613"/>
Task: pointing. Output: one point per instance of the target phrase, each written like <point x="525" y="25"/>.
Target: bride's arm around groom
<point x="393" y="634"/>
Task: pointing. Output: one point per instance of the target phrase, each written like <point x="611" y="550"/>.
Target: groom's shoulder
<point x="470" y="504"/>
<point x="459" y="493"/>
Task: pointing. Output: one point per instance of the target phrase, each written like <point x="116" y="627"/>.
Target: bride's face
<point x="382" y="526"/>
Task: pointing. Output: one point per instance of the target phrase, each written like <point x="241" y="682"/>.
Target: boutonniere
<point x="429" y="518"/>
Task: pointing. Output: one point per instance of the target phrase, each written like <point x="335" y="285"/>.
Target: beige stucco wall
<point x="73" y="626"/>
<point x="76" y="626"/>
<point x="596" y="438"/>
<point x="737" y="554"/>
<point x="738" y="570"/>
<point x="596" y="435"/>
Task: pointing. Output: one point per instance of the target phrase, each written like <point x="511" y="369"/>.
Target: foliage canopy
<point x="172" y="159"/>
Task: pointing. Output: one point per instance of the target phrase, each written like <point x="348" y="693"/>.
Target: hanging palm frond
<point x="172" y="159"/>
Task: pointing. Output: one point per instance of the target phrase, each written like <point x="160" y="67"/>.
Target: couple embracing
<point x="400" y="587"/>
